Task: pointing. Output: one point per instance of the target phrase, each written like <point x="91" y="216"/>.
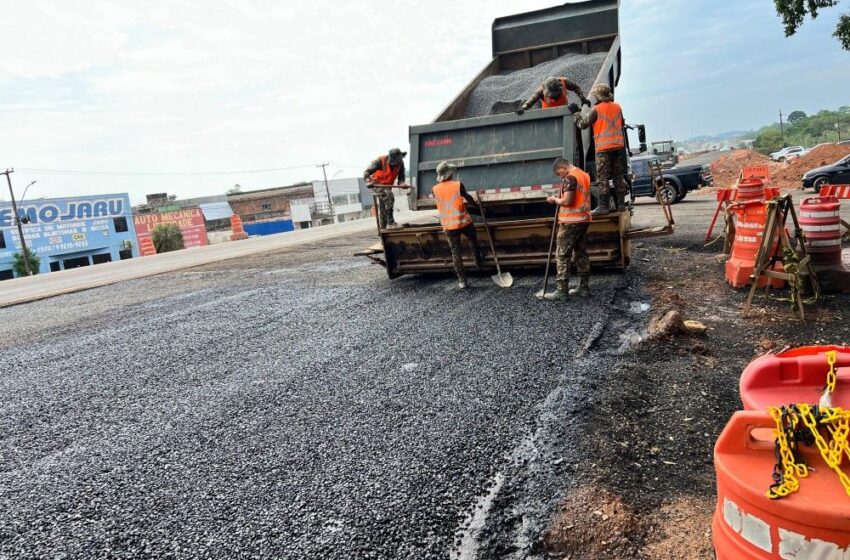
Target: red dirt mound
<point x="727" y="169"/>
<point x="789" y="176"/>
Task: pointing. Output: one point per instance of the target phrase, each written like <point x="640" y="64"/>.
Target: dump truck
<point x="506" y="159"/>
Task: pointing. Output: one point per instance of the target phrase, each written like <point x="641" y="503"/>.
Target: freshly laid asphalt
<point x="298" y="405"/>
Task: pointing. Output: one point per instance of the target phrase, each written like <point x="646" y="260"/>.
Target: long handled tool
<point x="502" y="280"/>
<point x="540" y="294"/>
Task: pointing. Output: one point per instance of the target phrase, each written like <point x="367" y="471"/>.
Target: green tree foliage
<point x="794" y="12"/>
<point x="768" y="141"/>
<point x="167" y="237"/>
<point x="805" y="130"/>
<point x="796" y="116"/>
<point x="19" y="266"/>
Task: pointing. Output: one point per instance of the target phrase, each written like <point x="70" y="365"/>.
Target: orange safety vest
<point x="387" y="174"/>
<point x="452" y="206"/>
<point x="579" y="211"/>
<point x="560" y="102"/>
<point x="608" y="128"/>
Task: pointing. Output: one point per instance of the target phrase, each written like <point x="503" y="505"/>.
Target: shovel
<point x="503" y="280"/>
<point x="541" y="294"/>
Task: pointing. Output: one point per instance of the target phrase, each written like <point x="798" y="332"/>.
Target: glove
<point x="520" y="111"/>
<point x="574" y="108"/>
<point x="585" y="101"/>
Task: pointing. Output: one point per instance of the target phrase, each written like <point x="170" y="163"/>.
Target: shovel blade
<point x="503" y="280"/>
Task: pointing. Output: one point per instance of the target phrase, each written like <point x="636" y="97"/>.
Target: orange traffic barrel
<point x="810" y="524"/>
<point x="749" y="231"/>
<point x="750" y="189"/>
<point x="820" y="218"/>
<point x="795" y="376"/>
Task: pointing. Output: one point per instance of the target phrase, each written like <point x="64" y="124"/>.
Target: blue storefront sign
<point x="69" y="232"/>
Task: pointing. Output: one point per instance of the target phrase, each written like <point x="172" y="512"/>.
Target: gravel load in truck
<point x="506" y="92"/>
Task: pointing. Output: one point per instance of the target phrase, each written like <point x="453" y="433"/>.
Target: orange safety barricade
<point x="236" y="227"/>
<point x="838" y="191"/>
<point x="795" y="376"/>
<point x="146" y="246"/>
<point x="820" y="219"/>
<point x="810" y="524"/>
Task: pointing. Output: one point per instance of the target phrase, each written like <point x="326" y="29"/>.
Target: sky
<point x="191" y="97"/>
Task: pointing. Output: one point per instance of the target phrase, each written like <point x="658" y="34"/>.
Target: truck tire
<point x="669" y="193"/>
<point x="682" y="194"/>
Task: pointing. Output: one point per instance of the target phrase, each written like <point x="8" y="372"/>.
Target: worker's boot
<point x="583" y="289"/>
<point x="462" y="283"/>
<point x="561" y="293"/>
<point x="621" y="201"/>
<point x="604" y="206"/>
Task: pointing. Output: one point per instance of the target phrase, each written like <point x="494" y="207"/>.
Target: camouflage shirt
<point x="376" y="165"/>
<point x="539" y="95"/>
<point x="586" y="122"/>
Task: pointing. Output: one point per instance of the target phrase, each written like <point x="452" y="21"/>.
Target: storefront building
<point x="69" y="232"/>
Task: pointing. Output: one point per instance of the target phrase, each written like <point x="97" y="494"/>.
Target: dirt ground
<point x="648" y="489"/>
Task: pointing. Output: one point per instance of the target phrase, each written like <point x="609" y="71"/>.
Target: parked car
<point x="782" y="154"/>
<point x="836" y="174"/>
<point x="676" y="182"/>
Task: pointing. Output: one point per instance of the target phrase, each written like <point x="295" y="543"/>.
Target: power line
<point x="158" y="173"/>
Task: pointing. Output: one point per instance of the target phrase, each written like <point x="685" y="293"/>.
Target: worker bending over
<point x="553" y="93"/>
<point x="452" y="199"/>
<point x="380" y="176"/>
<point x="573" y="222"/>
<point x="606" y="118"/>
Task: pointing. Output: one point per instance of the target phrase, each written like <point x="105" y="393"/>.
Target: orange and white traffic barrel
<point x="812" y="523"/>
<point x="820" y="218"/>
<point x="749" y="219"/>
<point x="750" y="189"/>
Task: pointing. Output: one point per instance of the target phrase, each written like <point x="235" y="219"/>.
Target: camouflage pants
<point x="455" y="246"/>
<point x="611" y="165"/>
<point x="385" y="201"/>
<point x="572" y="240"/>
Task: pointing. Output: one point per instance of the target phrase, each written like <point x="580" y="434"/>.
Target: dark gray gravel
<point x="307" y="410"/>
<point x="505" y="93"/>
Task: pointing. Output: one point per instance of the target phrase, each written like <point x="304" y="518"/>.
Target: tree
<point x="768" y="141"/>
<point x="794" y="12"/>
<point x="20" y="267"/>
<point x="167" y="237"/>
<point x="796" y="116"/>
<point x="235" y="189"/>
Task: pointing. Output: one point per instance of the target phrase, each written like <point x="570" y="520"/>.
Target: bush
<point x="167" y="237"/>
<point x="20" y="267"/>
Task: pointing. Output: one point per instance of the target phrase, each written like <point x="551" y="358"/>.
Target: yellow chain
<point x="831" y="358"/>
<point x="825" y="451"/>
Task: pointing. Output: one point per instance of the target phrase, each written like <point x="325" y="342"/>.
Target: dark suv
<point x="676" y="182"/>
<point x="836" y="174"/>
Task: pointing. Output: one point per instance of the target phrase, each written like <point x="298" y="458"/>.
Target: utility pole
<point x="24" y="251"/>
<point x="781" y="129"/>
<point x="328" y="190"/>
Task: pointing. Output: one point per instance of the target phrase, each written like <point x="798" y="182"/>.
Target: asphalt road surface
<point x="300" y="405"/>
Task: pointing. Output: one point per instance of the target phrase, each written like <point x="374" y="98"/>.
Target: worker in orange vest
<point x="606" y="119"/>
<point x="381" y="174"/>
<point x="553" y="93"/>
<point x="573" y="222"/>
<point x="452" y="200"/>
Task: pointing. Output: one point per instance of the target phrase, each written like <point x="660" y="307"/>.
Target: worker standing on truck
<point x="553" y="93"/>
<point x="381" y="174"/>
<point x="452" y="199"/>
<point x="573" y="222"/>
<point x="607" y="121"/>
